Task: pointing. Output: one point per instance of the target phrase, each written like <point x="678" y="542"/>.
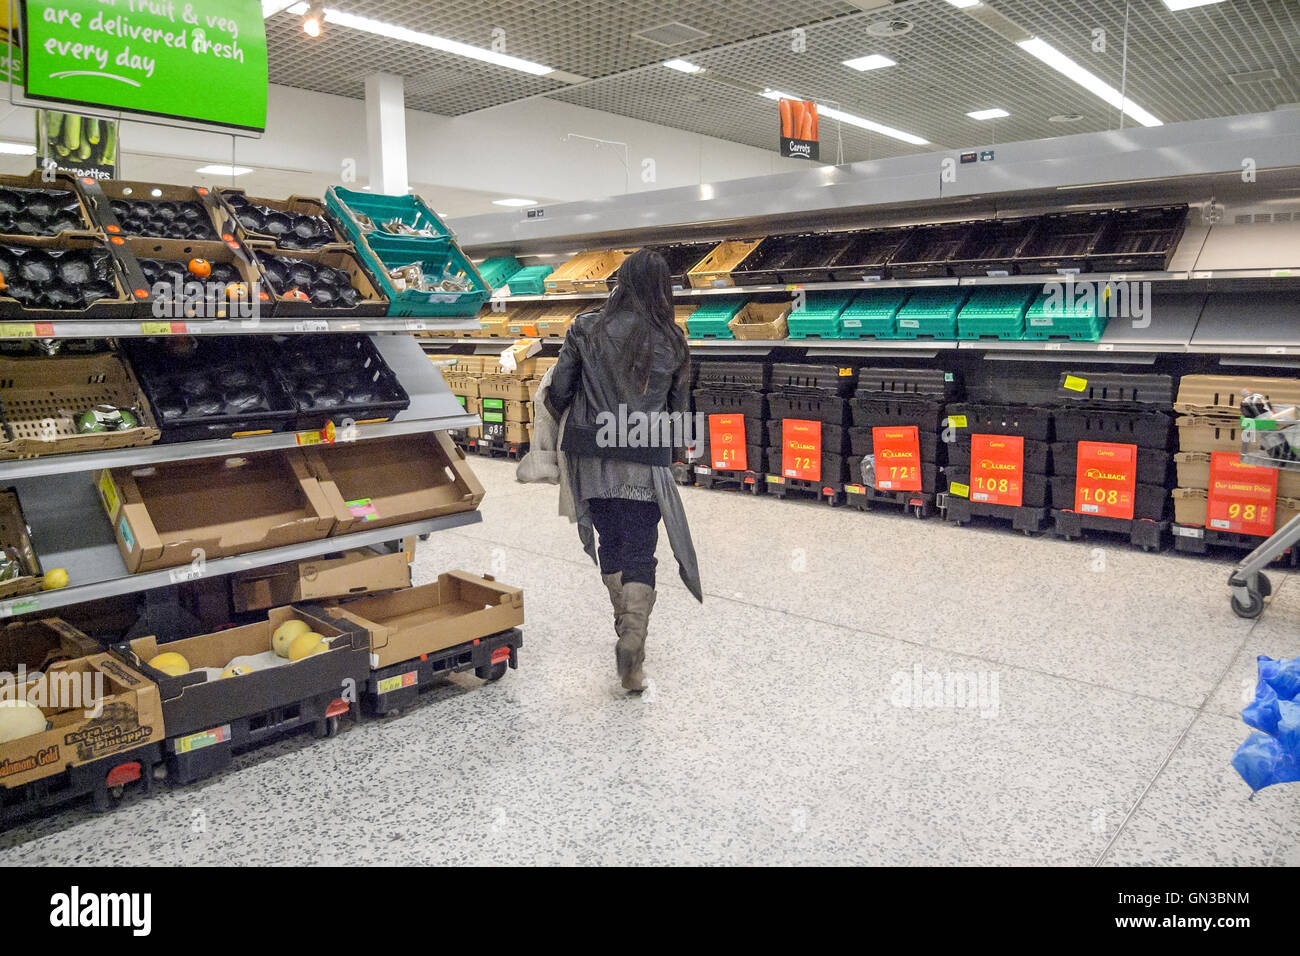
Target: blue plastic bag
<point x="1262" y="713"/>
<point x="1262" y="761"/>
<point x="1272" y="755"/>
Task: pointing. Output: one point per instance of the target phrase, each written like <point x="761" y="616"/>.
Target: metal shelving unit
<point x="60" y="329"/>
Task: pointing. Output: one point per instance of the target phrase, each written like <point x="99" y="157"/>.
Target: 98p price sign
<point x="1242" y="498"/>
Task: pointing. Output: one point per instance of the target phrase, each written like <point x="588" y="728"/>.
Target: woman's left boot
<point x="614" y="584"/>
<point x="629" y="653"/>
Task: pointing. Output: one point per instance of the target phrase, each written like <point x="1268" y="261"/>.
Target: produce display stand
<point x="752" y="481"/>
<point x="389" y="690"/>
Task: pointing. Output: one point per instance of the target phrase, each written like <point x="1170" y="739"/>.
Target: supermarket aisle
<point x="1106" y="686"/>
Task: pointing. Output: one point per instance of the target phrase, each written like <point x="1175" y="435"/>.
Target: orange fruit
<point x="200" y="267"/>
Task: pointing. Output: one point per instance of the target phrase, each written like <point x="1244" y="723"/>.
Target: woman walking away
<point x="623" y="377"/>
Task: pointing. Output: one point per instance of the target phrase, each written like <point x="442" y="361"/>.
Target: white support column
<point x="386" y="133"/>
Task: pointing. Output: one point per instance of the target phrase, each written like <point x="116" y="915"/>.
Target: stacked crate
<point x="808" y="429"/>
<point x="895" y="442"/>
<point x="1209" y="430"/>
<point x="998" y="464"/>
<point x="730" y="404"/>
<point x="1114" y="430"/>
<point x="462" y="374"/>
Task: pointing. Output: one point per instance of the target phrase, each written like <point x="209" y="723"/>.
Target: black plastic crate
<point x="808" y="406"/>
<point x="1151" y="502"/>
<point x="835" y="438"/>
<point x="992" y="247"/>
<point x="930" y="475"/>
<point x="862" y="442"/>
<point x="868" y="255"/>
<point x="764" y="264"/>
<point x="223" y="387"/>
<point x="822" y="249"/>
<point x="929" y="250"/>
<point x="835" y="468"/>
<point x="1062" y="241"/>
<point x="1146" y="429"/>
<point x="338" y="378"/>
<point x="870" y="412"/>
<point x="927" y="383"/>
<point x="682" y="257"/>
<point x="1153" y="465"/>
<point x="752" y="376"/>
<point x="734" y="401"/>
<point x="1118" y="388"/>
<point x="821" y="378"/>
<point x="1037" y="459"/>
<point x="1034" y="488"/>
<point x="1141" y="239"/>
<point x="1023" y="420"/>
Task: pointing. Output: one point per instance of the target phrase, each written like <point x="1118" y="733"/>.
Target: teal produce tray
<point x="871" y="315"/>
<point x="411" y="304"/>
<point x="712" y="320"/>
<point x="530" y="280"/>
<point x="996" y="313"/>
<point x="347" y="204"/>
<point x="820" y="316"/>
<point x="496" y="272"/>
<point x="930" y="313"/>
<point x="1077" y="322"/>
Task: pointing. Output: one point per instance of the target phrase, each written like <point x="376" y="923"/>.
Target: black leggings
<point x="629" y="531"/>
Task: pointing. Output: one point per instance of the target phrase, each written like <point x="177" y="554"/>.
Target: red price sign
<point x="727" y="443"/>
<point x="897" y="451"/>
<point x="1243" y="498"/>
<point x="997" y="465"/>
<point x="801" y="449"/>
<point x="1105" y="479"/>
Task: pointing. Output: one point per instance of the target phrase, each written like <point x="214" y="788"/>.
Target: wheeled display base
<point x="498" y="448"/>
<point x="961" y="510"/>
<point x="830" y="492"/>
<point x="105" y="780"/>
<point x="1141" y="532"/>
<point x="751" y="481"/>
<point x="396" y="686"/>
<point x="865" y="498"/>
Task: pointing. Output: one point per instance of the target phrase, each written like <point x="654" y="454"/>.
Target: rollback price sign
<point x="727" y="450"/>
<point x="801" y="449"/>
<point x="1105" y="479"/>
<point x="897" y="452"/>
<point x="997" y="467"/>
<point x="1242" y="497"/>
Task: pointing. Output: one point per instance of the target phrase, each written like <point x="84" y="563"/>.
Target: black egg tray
<point x="164" y="219"/>
<point x="39" y="212"/>
<point x="169" y="272"/>
<point x="223" y="388"/>
<point x="57" y="279"/>
<point x="289" y="230"/>
<point x="328" y="288"/>
<point x="337" y="378"/>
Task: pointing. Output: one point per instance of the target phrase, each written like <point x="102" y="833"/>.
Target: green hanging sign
<point x="197" y="60"/>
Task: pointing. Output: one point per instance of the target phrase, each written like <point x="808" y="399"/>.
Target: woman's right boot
<point x="629" y="653"/>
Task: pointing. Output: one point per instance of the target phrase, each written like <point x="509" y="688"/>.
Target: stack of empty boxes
<point x="895" y="444"/>
<point x="462" y="374"/>
<point x="506" y="404"/>
<point x="808" y="429"/>
<point x="1221" y="500"/>
<point x="731" y="407"/>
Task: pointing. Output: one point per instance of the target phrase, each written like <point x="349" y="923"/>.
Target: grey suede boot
<point x="629" y="653"/>
<point x="614" y="584"/>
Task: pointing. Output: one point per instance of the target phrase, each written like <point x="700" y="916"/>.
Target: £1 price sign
<point x="801" y="449"/>
<point x="897" y="451"/>
<point x="727" y="443"/>
<point x="997" y="465"/>
<point x="1243" y="498"/>
<point x="1105" y="479"/>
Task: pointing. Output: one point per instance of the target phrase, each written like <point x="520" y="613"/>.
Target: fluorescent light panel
<point x="514" y="202"/>
<point x="217" y="169"/>
<point x="994" y="113"/>
<point x="271" y="7"/>
<point x="379" y="28"/>
<point x="852" y="120"/>
<point x="1188" y="4"/>
<point x="1089" y="81"/>
<point x="964" y="4"/>
<point x="683" y="66"/>
<point x="872" y="61"/>
<point x="17" y="149"/>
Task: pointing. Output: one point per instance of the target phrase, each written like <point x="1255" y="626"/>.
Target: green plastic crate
<point x="1050" y="317"/>
<point x="997" y="312"/>
<point x="820" y="316"/>
<point x="931" y="313"/>
<point x="871" y="315"/>
<point x="530" y="280"/>
<point x="711" y="320"/>
<point x="347" y="204"/>
<point x="496" y="272"/>
<point x="379" y="257"/>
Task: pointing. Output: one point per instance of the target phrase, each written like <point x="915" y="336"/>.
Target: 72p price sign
<point x="997" y="467"/>
<point x="1105" y="479"/>
<point x="1242" y="498"/>
<point x="897" y="451"/>
<point x="801" y="449"/>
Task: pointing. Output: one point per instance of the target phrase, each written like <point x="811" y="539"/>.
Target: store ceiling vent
<point x="1002" y="25"/>
<point x="671" y="34"/>
<point x="1254" y="76"/>
<point x="1247" y="219"/>
<point x="889" y="28"/>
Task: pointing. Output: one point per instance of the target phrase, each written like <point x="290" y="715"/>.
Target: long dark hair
<point x="644" y="287"/>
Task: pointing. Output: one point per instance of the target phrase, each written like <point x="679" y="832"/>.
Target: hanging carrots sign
<point x="800" y="137"/>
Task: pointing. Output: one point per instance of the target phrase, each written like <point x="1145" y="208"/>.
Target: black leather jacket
<point x="590" y="383"/>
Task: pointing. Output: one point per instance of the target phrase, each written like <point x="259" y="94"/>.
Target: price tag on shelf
<point x="162" y="328"/>
<point x="727" y="450"/>
<point x="22" y="605"/>
<point x="897" y="451"/>
<point x="1075" y="384"/>
<point x="27" y="330"/>
<point x="997" y="464"/>
<point x="1052" y="347"/>
<point x="801" y="449"/>
<point x="1105" y="479"/>
<point x="1275" y="350"/>
<point x="1282" y="273"/>
<point x="312" y="325"/>
<point x="1106" y="347"/>
<point x="412" y="326"/>
<point x="182" y="575"/>
<point x="1242" y="497"/>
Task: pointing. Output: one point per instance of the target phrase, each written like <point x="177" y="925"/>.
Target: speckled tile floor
<point x="781" y="725"/>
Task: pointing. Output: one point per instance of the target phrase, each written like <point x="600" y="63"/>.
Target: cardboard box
<point x="460" y="607"/>
<point x="349" y="573"/>
<point x="764" y="321"/>
<point x="1210" y="395"/>
<point x="162" y="514"/>
<point x="1194" y="472"/>
<point x="1190" y="505"/>
<point x="1197" y="433"/>
<point x="465" y="385"/>
<point x="14" y="534"/>
<point x="507" y="387"/>
<point x="382" y="482"/>
<point x="502" y="410"/>
<point x="513" y="432"/>
<point x="130" y="717"/>
<point x="38" y="644"/>
<point x="533" y="386"/>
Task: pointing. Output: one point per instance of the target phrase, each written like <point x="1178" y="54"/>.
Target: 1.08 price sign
<point x="997" y="465"/>
<point x="1105" y="479"/>
<point x="1243" y="498"/>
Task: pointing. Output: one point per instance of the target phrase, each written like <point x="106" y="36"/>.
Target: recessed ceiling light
<point x="1188" y="4"/>
<point x="313" y="21"/>
<point x="1089" y="81"/>
<point x="17" y="149"/>
<point x="994" y="113"/>
<point x="889" y="28"/>
<point x="964" y="4"/>
<point x="852" y="120"/>
<point x="394" y="32"/>
<point x="872" y="61"/>
<point x="271" y="7"/>
<point x="683" y="66"/>
<point x="514" y="202"/>
<point x="217" y="169"/>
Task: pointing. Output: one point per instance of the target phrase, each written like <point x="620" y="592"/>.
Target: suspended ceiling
<point x="1191" y="64"/>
